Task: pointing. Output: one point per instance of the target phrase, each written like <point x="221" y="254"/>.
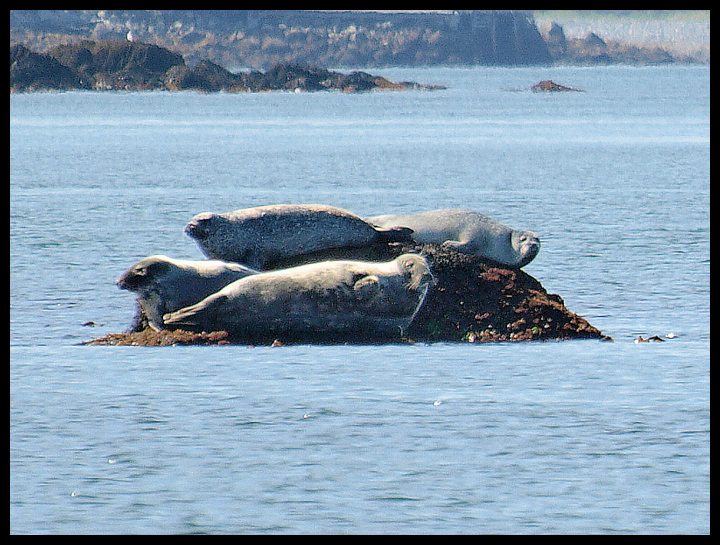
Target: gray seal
<point x="468" y="232"/>
<point x="164" y="285"/>
<point x="355" y="299"/>
<point x="260" y="235"/>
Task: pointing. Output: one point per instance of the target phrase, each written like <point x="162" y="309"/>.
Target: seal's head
<point x="144" y="272"/>
<point x="416" y="271"/>
<point x="526" y="244"/>
<point x="221" y="238"/>
<point x="202" y="225"/>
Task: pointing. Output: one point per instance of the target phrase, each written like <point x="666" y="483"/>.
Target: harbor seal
<point x="260" y="235"/>
<point x="164" y="285"/>
<point x="347" y="299"/>
<point x="468" y="232"/>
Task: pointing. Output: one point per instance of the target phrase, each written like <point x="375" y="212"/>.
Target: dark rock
<point x="298" y="77"/>
<point x="357" y="81"/>
<point x="292" y="76"/>
<point x="593" y="50"/>
<point x="556" y="40"/>
<point x="136" y="66"/>
<point x="116" y="56"/>
<point x="118" y="65"/>
<point x="204" y="76"/>
<point x="593" y="40"/>
<point x="30" y="71"/>
<point x="550" y="86"/>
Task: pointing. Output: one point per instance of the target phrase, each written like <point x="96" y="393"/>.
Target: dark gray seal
<point x="260" y="235"/>
<point x="468" y="232"/>
<point x="164" y="285"/>
<point x="346" y="298"/>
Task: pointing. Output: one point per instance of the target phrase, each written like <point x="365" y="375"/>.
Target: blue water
<point x="557" y="437"/>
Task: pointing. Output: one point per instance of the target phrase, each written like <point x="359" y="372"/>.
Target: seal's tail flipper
<point x="394" y="234"/>
<point x="196" y="317"/>
<point x="183" y="318"/>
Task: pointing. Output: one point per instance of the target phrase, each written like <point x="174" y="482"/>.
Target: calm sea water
<point x="568" y="437"/>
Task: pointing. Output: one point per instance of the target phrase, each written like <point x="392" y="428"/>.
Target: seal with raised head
<point x="257" y="236"/>
<point x="165" y="285"/>
<point x="340" y="299"/>
<point x="468" y="232"/>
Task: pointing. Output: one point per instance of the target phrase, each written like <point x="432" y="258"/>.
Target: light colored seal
<point x="164" y="285"/>
<point x="258" y="236"/>
<point x="468" y="232"/>
<point x="343" y="298"/>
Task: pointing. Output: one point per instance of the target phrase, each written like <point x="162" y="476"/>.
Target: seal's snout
<point x="199" y="227"/>
<point x="428" y="279"/>
<point x="193" y="230"/>
<point x="530" y="243"/>
<point x="530" y="251"/>
<point x="128" y="281"/>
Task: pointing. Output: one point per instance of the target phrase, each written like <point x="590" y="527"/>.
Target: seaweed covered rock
<point x="477" y="301"/>
<point x="472" y="301"/>
<point x="549" y="86"/>
<point x="150" y="337"/>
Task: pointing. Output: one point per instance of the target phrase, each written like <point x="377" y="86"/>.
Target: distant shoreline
<point x="261" y="39"/>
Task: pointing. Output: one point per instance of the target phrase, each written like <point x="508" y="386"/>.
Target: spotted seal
<point x="468" y="232"/>
<point x="260" y="235"/>
<point x="344" y="298"/>
<point x="164" y="285"/>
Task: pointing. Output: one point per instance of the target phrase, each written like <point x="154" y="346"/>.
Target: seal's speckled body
<point x="468" y="232"/>
<point x="257" y="236"/>
<point x="336" y="297"/>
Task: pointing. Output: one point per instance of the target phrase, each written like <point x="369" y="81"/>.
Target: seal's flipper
<point x="367" y="287"/>
<point x="197" y="316"/>
<point x="183" y="317"/>
<point x="463" y="247"/>
<point x="394" y="234"/>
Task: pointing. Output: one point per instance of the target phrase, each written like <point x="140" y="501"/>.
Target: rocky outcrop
<point x="30" y="71"/>
<point x="118" y="65"/>
<point x="204" y="76"/>
<point x="593" y="50"/>
<point x="134" y="66"/>
<point x="113" y="65"/>
<point x="472" y="301"/>
<point x="556" y="41"/>
<point x="549" y="86"/>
